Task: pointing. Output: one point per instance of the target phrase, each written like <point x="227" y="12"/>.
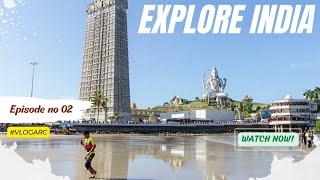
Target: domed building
<point x="247" y="99"/>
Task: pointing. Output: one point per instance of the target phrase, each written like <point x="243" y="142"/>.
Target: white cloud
<point x="304" y="65"/>
<point x="9" y="4"/>
<point x="14" y="167"/>
<point x="1" y="12"/>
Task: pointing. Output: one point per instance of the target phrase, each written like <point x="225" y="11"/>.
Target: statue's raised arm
<point x="224" y="84"/>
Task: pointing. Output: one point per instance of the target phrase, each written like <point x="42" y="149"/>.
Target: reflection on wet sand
<point x="152" y="157"/>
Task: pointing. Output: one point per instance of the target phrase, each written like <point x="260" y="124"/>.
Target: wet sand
<point x="140" y="157"/>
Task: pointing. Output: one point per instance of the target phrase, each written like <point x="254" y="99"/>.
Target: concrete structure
<point x="201" y="115"/>
<point x="247" y="99"/>
<point x="105" y="61"/>
<point x="165" y="128"/>
<point x="293" y="113"/>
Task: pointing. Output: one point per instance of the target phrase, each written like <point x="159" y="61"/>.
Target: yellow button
<point x="28" y="132"/>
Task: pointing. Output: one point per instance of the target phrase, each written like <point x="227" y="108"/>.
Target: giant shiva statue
<point x="214" y="87"/>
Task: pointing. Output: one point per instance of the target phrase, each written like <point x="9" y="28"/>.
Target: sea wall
<point x="155" y="129"/>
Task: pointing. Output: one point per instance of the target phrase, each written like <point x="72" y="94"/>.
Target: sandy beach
<point x="151" y="157"/>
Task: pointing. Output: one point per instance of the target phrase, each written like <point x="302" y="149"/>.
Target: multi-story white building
<point x="293" y="113"/>
<point x="105" y="61"/>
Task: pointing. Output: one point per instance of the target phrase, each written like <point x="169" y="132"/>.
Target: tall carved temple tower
<point x="106" y="61"/>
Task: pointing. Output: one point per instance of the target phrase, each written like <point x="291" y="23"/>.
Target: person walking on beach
<point x="312" y="137"/>
<point x="308" y="135"/>
<point x="89" y="145"/>
<point x="304" y="138"/>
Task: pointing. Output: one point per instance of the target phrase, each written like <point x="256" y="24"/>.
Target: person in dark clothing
<point x="304" y="138"/>
<point x="308" y="135"/>
<point x="312" y="137"/>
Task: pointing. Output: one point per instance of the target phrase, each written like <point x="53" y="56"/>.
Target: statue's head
<point x="215" y="73"/>
<point x="97" y="1"/>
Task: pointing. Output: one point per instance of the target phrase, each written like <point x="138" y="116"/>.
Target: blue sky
<point x="266" y="67"/>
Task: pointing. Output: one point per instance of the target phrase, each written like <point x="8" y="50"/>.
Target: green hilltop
<point x="199" y="104"/>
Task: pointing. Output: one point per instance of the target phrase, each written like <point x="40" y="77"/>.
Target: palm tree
<point x="258" y="108"/>
<point x="133" y="106"/>
<point x="97" y="101"/>
<point x="309" y="94"/>
<point x="104" y="105"/>
<point x="241" y="108"/>
<point x="116" y="117"/>
<point x="305" y="94"/>
<point x="317" y="92"/>
<point x="233" y="106"/>
<point x="152" y="117"/>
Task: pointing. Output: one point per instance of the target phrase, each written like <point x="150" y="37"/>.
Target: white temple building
<point x="293" y="113"/>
